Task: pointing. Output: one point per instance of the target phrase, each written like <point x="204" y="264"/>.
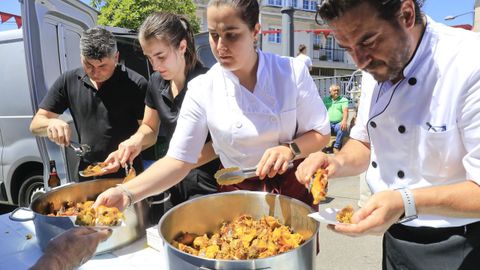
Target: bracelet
<point x="127" y="193"/>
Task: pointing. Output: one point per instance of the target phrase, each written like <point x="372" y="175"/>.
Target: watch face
<point x="295" y="148"/>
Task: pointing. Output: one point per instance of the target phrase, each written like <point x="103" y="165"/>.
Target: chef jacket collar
<point x="421" y="50"/>
<point x="262" y="77"/>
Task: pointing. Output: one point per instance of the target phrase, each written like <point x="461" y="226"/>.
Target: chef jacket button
<point x="273" y="119"/>
<point x="374" y="164"/>
<point x="238" y="125"/>
<point x="402" y="129"/>
<point x="373" y="124"/>
<point x="400" y="174"/>
<point x="412" y="81"/>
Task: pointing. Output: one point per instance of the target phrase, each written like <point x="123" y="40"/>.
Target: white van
<point x="21" y="169"/>
<point x="32" y="59"/>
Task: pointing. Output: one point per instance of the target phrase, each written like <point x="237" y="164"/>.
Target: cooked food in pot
<point x="108" y="216"/>
<point x="88" y="216"/>
<point x="319" y="186"/>
<point x="241" y="239"/>
<point x="345" y="215"/>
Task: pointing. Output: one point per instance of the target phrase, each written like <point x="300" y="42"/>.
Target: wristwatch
<point x="409" y="206"/>
<point x="294" y="148"/>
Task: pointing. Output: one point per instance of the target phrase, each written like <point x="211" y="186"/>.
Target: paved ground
<point x="338" y="252"/>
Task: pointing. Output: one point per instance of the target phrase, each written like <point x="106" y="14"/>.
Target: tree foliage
<point x="131" y="13"/>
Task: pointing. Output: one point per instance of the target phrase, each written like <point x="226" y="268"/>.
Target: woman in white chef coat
<point x="418" y="135"/>
<point x="261" y="110"/>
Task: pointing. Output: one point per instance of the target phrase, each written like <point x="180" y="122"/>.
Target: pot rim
<point x="44" y="196"/>
<point x="246" y="192"/>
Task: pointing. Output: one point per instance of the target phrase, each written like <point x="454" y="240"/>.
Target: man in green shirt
<point x="337" y="107"/>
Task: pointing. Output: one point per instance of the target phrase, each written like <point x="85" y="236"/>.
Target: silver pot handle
<point x="12" y="214"/>
<point x="164" y="200"/>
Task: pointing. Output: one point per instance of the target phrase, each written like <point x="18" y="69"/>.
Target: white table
<point x="17" y="252"/>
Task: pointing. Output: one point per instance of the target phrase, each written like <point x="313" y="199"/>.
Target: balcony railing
<point x="349" y="86"/>
<point x="326" y="54"/>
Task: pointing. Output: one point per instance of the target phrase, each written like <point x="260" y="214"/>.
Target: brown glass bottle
<point x="53" y="180"/>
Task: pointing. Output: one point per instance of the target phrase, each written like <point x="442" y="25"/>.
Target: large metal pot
<point x="205" y="214"/>
<point x="47" y="227"/>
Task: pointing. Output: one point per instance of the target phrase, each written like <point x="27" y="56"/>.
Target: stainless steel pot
<point x="47" y="227"/>
<point x="205" y="214"/>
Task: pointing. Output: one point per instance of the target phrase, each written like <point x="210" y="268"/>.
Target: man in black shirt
<point x="106" y="101"/>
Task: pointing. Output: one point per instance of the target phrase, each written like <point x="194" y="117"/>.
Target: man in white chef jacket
<point x="418" y="135"/>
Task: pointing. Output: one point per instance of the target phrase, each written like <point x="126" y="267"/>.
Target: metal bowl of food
<point x="205" y="214"/>
<point x="47" y="227"/>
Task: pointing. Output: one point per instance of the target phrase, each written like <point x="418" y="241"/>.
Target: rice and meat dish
<point x="243" y="238"/>
<point x="89" y="216"/>
<point x="345" y="215"/>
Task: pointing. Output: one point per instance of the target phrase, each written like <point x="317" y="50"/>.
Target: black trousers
<point x="195" y="184"/>
<point x="412" y="248"/>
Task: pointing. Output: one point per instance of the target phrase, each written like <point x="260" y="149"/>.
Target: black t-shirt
<point x="102" y="118"/>
<point x="159" y="97"/>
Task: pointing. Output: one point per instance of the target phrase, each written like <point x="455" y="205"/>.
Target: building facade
<point x="328" y="59"/>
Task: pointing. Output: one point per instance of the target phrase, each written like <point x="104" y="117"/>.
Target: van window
<point x="131" y="55"/>
<point x="61" y="52"/>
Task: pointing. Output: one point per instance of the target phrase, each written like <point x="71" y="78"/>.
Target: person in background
<point x="104" y="98"/>
<point x="262" y="110"/>
<point x="417" y="136"/>
<point x="302" y="55"/>
<point x="167" y="41"/>
<point x="71" y="249"/>
<point x="337" y="107"/>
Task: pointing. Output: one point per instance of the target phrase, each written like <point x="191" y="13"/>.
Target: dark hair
<point x="97" y="43"/>
<point x="301" y="48"/>
<point x="331" y="9"/>
<point x="248" y="10"/>
<point x="171" y="28"/>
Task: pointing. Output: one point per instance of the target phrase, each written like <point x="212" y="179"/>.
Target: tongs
<point x="129" y="173"/>
<point x="235" y="175"/>
<point x="79" y="149"/>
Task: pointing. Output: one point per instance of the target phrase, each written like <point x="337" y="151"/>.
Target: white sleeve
<point x="359" y="130"/>
<point x="191" y="131"/>
<point x="309" y="62"/>
<point x="311" y="112"/>
<point x="469" y="123"/>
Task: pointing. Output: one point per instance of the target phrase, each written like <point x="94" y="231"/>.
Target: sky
<point x="437" y="9"/>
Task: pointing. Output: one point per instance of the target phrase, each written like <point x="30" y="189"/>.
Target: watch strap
<point x="408" y="205"/>
<point x="294" y="148"/>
